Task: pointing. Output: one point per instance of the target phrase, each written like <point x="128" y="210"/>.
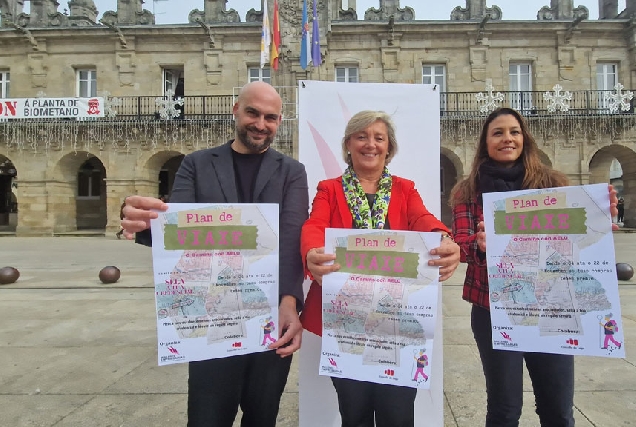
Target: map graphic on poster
<point x="216" y="280"/>
<point x="379" y="309"/>
<point x="552" y="271"/>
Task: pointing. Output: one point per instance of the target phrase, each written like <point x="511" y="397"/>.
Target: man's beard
<point x="249" y="143"/>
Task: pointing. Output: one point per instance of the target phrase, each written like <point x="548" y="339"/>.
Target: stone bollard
<point x="624" y="271"/>
<point x="109" y="274"/>
<point x="8" y="275"/>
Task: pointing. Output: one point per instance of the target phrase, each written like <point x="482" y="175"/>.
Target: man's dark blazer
<point x="207" y="176"/>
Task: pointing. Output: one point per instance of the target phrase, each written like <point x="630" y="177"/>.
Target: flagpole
<point x="304" y="51"/>
<point x="265" y="36"/>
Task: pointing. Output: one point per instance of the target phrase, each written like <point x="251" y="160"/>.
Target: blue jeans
<point x="552" y="378"/>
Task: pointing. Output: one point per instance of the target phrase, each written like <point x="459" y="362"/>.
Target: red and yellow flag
<point x="275" y="38"/>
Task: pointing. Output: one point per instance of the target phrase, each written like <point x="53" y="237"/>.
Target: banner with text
<point x="51" y="108"/>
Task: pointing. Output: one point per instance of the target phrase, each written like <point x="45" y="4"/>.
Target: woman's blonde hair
<point x="537" y="175"/>
<point x="362" y="120"/>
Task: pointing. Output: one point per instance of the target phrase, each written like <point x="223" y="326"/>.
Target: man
<point x="245" y="170"/>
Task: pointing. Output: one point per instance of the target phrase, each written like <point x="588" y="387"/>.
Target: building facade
<point x="170" y="88"/>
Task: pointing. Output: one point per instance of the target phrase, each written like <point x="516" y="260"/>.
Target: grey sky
<point x="176" y="11"/>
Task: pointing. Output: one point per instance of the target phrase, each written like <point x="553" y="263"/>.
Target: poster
<point x="380" y="309"/>
<point x="552" y="271"/>
<point x="216" y="280"/>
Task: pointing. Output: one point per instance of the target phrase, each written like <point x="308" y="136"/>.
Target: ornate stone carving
<point x="348" y="15"/>
<point x="476" y="10"/>
<point x="214" y="11"/>
<point x="109" y="18"/>
<point x="213" y="65"/>
<point x="195" y="16"/>
<point x="290" y="12"/>
<point x="388" y="9"/>
<point x="254" y="15"/>
<point x="129" y="12"/>
<point x="39" y="69"/>
<point x="82" y="11"/>
<point x="562" y="11"/>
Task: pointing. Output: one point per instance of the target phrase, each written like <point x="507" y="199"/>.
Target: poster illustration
<point x="552" y="271"/>
<point x="380" y="308"/>
<point x="216" y="280"/>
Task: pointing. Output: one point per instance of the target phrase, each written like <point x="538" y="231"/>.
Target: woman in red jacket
<point x="367" y="196"/>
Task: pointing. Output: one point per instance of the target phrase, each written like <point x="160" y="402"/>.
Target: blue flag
<point x="316" y="57"/>
<point x="304" y="59"/>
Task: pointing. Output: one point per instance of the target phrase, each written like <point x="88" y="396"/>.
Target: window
<point x="257" y="74"/>
<point x="89" y="181"/>
<point x="520" y="76"/>
<point x="4" y="84"/>
<point x="606" y="79"/>
<point x="435" y="74"/>
<point x="86" y="83"/>
<point x="173" y="79"/>
<point x="347" y="74"/>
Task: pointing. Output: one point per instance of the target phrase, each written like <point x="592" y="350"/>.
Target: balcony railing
<point x="582" y="103"/>
<point x="452" y="104"/>
<point x="194" y="107"/>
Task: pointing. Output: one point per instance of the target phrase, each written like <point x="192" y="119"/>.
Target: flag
<point x="304" y="51"/>
<point x="316" y="57"/>
<point x="275" y="38"/>
<point x="266" y="37"/>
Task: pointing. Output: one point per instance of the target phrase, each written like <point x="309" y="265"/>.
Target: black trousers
<point x="552" y="378"/>
<point x="359" y="401"/>
<point x="254" y="381"/>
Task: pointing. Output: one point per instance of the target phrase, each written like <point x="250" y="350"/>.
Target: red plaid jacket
<point x="466" y="216"/>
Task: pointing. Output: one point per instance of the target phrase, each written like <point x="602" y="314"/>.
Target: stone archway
<point x="8" y="198"/>
<point x="167" y="174"/>
<point x="78" y="198"/>
<point x="599" y="167"/>
<point x="158" y="171"/>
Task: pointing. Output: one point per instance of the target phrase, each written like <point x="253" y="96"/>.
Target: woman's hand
<point x="480" y="236"/>
<point x="448" y="261"/>
<point x="137" y="214"/>
<point x="316" y="259"/>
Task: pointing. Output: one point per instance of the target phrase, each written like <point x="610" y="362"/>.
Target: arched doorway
<point x="8" y="198"/>
<point x="167" y="174"/>
<point x="616" y="164"/>
<point x="90" y="200"/>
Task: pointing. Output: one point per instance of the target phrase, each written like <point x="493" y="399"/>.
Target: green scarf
<point x="365" y="216"/>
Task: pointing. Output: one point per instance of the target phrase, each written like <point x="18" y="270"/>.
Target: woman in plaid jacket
<point x="507" y="159"/>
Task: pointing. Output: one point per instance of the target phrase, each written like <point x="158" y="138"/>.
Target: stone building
<point x="568" y="74"/>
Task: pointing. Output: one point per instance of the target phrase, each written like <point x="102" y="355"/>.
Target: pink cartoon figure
<point x="610" y="328"/>
<point x="421" y="361"/>
<point x="268" y="327"/>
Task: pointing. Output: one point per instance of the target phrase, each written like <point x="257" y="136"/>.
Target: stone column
<point x="477" y="8"/>
<point x="62" y="205"/>
<point x="34" y="218"/>
<point x="564" y="8"/>
<point x="629" y="194"/>
<point x="116" y="192"/>
<point x="607" y="9"/>
<point x="630" y="7"/>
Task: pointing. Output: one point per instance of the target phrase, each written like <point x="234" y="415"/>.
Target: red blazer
<point x="330" y="210"/>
